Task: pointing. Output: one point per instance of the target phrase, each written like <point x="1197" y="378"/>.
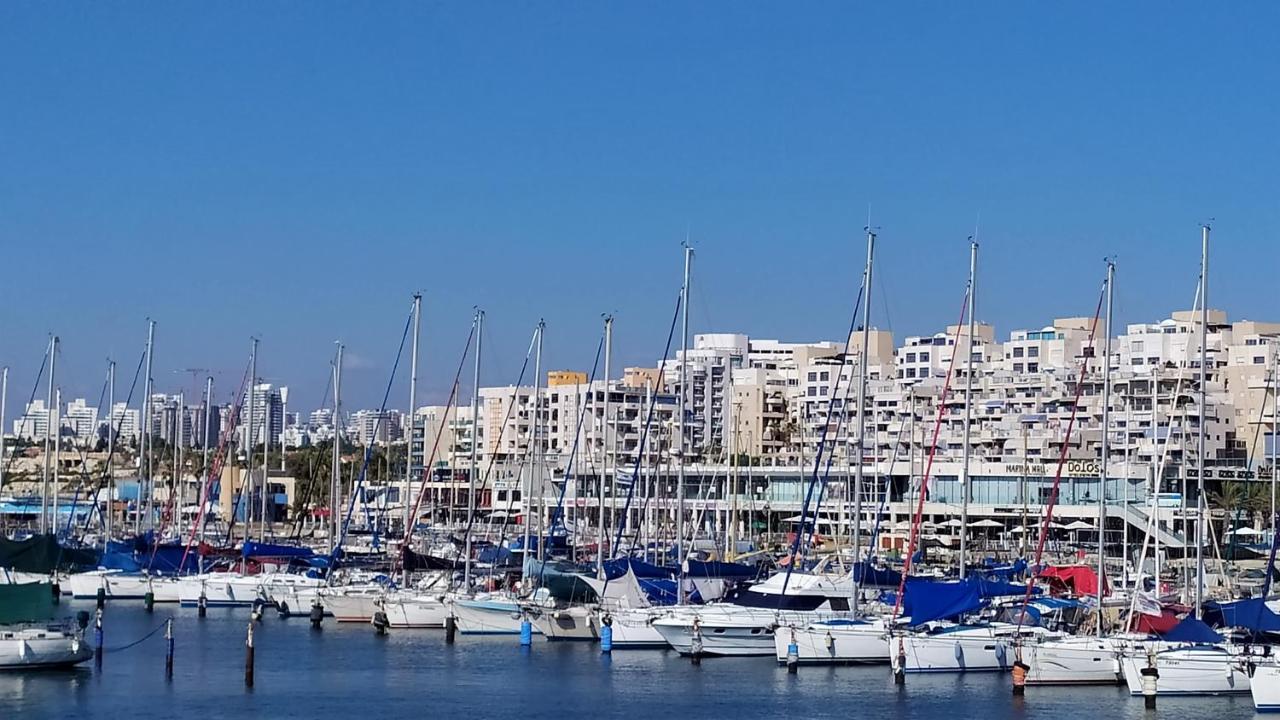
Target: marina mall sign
<point x="1092" y="468"/>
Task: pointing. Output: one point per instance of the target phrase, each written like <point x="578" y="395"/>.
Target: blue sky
<point x="297" y="170"/>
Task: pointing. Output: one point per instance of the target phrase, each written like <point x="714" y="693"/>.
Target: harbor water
<point x="348" y="671"/>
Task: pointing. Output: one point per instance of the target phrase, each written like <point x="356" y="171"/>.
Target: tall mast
<point x="4" y="402"/>
<point x="48" y="440"/>
<point x="56" y="424"/>
<point x="604" y="471"/>
<point x="965" y="488"/>
<point x="204" y="441"/>
<point x="413" y="414"/>
<point x="250" y="437"/>
<point x="144" y="470"/>
<point x="475" y="446"/>
<point x="526" y="496"/>
<point x="1106" y="453"/>
<point x="862" y="420"/>
<point x="1275" y="426"/>
<point x="335" y="475"/>
<point x="1204" y="381"/>
<point x="176" y="498"/>
<point x="111" y="452"/>
<point x="684" y="391"/>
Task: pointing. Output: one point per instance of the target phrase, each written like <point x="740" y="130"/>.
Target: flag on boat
<point x="1147" y="604"/>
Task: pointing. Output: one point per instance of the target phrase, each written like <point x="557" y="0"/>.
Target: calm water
<point x="347" y="671"/>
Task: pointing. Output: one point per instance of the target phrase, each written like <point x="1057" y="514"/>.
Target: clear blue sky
<point x="297" y="170"/>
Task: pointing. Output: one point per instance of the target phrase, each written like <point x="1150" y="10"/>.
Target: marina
<point x="690" y="360"/>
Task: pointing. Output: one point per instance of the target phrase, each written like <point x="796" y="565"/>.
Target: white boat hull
<point x="833" y="643"/>
<point x="416" y="611"/>
<point x="1265" y="687"/>
<point x="350" y="607"/>
<point x="1072" y="661"/>
<point x="633" y="629"/>
<point x="36" y="648"/>
<point x="1192" y="670"/>
<point x="487" y="617"/>
<point x="961" y="651"/>
<point x="571" y="623"/>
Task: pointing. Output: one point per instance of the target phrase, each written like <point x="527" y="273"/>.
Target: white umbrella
<point x="953" y="522"/>
<point x="1078" y="525"/>
<point x="987" y="524"/>
<point x="1245" y="531"/>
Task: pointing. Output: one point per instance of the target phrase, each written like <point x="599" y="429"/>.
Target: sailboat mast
<point x="862" y="405"/>
<point x="56" y="424"/>
<point x="4" y="402"/>
<point x="204" y="441"/>
<point x="335" y="472"/>
<point x="968" y="413"/>
<point x="604" y="472"/>
<point x="1204" y="380"/>
<point x="111" y="451"/>
<point x="48" y="439"/>
<point x="475" y="446"/>
<point x="684" y="392"/>
<point x="413" y="416"/>
<point x="1106" y="452"/>
<point x="144" y="467"/>
<point x="526" y="494"/>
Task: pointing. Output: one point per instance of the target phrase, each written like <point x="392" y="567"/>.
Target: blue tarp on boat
<point x="614" y="569"/>
<point x="1251" y="614"/>
<point x="720" y="570"/>
<point x="270" y="550"/>
<point x="928" y="600"/>
<point x="867" y="575"/>
<point x="1192" y="630"/>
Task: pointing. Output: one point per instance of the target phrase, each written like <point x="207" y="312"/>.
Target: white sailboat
<point x="839" y="641"/>
<point x="41" y="647"/>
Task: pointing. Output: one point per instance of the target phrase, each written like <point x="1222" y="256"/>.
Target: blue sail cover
<point x="928" y="600"/>
<point x="720" y="570"/>
<point x="663" y="592"/>
<point x="867" y="575"/>
<point x="614" y="569"/>
<point x="1251" y="614"/>
<point x="1193" y="631"/>
<point x="257" y="549"/>
<point x="998" y="588"/>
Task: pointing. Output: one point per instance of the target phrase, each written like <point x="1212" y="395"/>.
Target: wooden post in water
<point x="168" y="657"/>
<point x="248" y="657"/>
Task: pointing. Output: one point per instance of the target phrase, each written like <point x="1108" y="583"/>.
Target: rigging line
<point x="35" y="388"/>
<point x="1153" y="521"/>
<point x="84" y="463"/>
<point x="933" y="451"/>
<point x="1062" y="459"/>
<point x="435" y="446"/>
<point x="822" y="443"/>
<point x="619" y="519"/>
<point x="233" y="423"/>
<point x="557" y="516"/>
<point x="368" y="450"/>
<point x="310" y="489"/>
<point x="493" y="459"/>
<point x="106" y="471"/>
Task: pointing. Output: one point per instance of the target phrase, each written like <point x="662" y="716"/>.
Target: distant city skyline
<point x="298" y="173"/>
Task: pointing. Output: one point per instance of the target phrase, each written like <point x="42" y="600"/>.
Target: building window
<point x="1033" y="367"/>
<point x="1017" y="367"/>
<point x="826" y="376"/>
<point x="924" y="357"/>
<point x="1033" y="352"/>
<point x="911" y="357"/>
<point x="1017" y="351"/>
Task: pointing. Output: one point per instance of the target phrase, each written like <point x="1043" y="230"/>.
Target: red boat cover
<point x="1073" y="580"/>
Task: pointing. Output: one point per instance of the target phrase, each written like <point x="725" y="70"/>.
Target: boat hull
<point x="633" y="629"/>
<point x="571" y="623"/>
<point x="1072" y="661"/>
<point x="487" y="617"/>
<point x="37" y="648"/>
<point x="1265" y="688"/>
<point x="833" y="644"/>
<point x="1194" y="670"/>
<point x="952" y="652"/>
<point x="416" y="611"/>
